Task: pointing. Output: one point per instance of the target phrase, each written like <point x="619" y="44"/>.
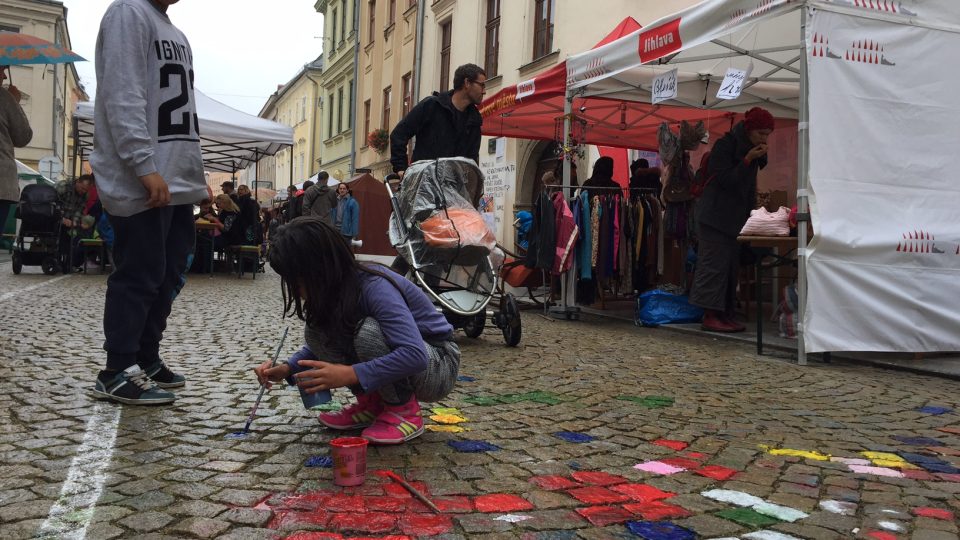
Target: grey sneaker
<point x="131" y="386"/>
<point x="163" y="376"/>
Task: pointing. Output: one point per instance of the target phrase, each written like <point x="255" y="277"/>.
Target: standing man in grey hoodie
<point x="149" y="174"/>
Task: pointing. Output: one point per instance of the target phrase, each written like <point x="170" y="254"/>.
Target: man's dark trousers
<point x="150" y="252"/>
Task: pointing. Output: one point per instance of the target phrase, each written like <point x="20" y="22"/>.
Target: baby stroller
<point x="449" y="250"/>
<point x="38" y="241"/>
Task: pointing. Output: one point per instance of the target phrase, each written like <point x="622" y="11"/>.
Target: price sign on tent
<point x="664" y="87"/>
<point x="732" y="84"/>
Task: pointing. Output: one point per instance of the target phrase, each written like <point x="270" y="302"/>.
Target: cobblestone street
<point x="591" y="429"/>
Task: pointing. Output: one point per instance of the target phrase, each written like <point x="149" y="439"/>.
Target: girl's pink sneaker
<point x="396" y="424"/>
<point x="360" y="414"/>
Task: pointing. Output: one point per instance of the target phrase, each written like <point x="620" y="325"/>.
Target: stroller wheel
<point x="50" y="266"/>
<point x="473" y="327"/>
<point x="17" y="262"/>
<point x="510" y="316"/>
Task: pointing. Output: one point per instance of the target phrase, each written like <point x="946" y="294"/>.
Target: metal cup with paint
<point x="349" y="461"/>
<point x="312" y="400"/>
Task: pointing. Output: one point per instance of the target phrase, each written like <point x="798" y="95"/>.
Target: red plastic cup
<point x="349" y="461"/>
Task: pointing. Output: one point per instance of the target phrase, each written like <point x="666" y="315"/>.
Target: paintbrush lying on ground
<point x="263" y="387"/>
<point x="413" y="491"/>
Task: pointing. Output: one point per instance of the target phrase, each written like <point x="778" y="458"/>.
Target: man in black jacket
<point x="445" y="124"/>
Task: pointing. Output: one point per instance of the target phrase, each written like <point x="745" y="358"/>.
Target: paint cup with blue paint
<point x="315" y="399"/>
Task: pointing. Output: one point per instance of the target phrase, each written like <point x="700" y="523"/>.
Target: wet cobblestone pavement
<point x="591" y="429"/>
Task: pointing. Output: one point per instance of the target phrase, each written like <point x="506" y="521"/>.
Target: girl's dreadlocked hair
<point x="320" y="278"/>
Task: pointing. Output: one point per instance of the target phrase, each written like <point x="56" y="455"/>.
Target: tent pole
<point x="803" y="162"/>
<point x="567" y="111"/>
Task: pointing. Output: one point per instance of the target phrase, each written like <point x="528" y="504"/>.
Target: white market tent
<point x="870" y="84"/>
<point x="230" y="139"/>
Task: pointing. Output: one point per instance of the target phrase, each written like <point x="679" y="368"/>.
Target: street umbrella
<point x="20" y="49"/>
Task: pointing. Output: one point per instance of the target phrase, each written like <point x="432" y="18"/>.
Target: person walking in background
<point x="229" y="188"/>
<point x="445" y="124"/>
<point x="320" y="199"/>
<point x="150" y="174"/>
<point x="295" y="208"/>
<point x="15" y="132"/>
<point x="249" y="216"/>
<point x="346" y="215"/>
<point x="723" y="209"/>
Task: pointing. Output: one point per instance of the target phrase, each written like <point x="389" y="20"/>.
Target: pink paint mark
<point x="642" y="492"/>
<point x="935" y="513"/>
<point x="500" y="502"/>
<point x="285" y="518"/>
<point x="598" y="478"/>
<point x="597" y="495"/>
<point x="879" y="471"/>
<point x="880" y="535"/>
<point x="601" y="516"/>
<point x="657" y="510"/>
<point x="683" y="463"/>
<point x="717" y="472"/>
<point x="658" y="467"/>
<point x="949" y="477"/>
<point x="454" y="505"/>
<point x="303" y="501"/>
<point x="368" y="522"/>
<point x="553" y="483"/>
<point x="914" y="474"/>
<point x="674" y="445"/>
<point x="419" y="525"/>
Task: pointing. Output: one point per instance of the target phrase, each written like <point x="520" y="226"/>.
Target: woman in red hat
<point x="723" y="209"/>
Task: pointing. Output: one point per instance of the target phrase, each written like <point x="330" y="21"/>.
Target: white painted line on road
<point x="70" y="516"/>
<point x="6" y="296"/>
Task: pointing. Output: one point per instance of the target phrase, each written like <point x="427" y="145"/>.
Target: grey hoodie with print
<point x="145" y="110"/>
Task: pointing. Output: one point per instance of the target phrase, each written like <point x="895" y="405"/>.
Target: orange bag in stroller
<point x="462" y="231"/>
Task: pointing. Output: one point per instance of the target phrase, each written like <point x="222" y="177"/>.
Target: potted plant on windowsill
<point x="379" y="140"/>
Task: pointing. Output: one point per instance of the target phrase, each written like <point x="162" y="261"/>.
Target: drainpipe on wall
<point x="418" y="55"/>
<point x="313" y="124"/>
<point x="353" y="97"/>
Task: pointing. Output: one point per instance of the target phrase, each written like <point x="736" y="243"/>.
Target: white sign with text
<point x="664" y="87"/>
<point x="499" y="179"/>
<point x="733" y="81"/>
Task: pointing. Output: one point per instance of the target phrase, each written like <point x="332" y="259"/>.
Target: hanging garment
<point x="586" y="238"/>
<point x="595" y="213"/>
<point x="542" y="235"/>
<point x="566" y="235"/>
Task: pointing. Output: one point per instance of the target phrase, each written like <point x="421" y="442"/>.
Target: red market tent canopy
<point x="532" y="108"/>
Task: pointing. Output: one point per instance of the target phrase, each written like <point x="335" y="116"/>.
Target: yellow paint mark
<point x="447" y="410"/>
<point x="886" y="459"/>
<point x="444" y="429"/>
<point x="797" y="453"/>
<point x="447" y="419"/>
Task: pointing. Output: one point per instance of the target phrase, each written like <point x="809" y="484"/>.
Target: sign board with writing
<point x="733" y="81"/>
<point x="664" y="87"/>
<point x="499" y="179"/>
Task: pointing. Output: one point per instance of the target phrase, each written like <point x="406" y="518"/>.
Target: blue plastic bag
<point x="658" y="307"/>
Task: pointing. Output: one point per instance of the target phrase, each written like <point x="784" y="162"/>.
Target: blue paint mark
<point x="465" y="378"/>
<point x="237" y="435"/>
<point x="918" y="441"/>
<point x="930" y="463"/>
<point x="320" y="461"/>
<point x="936" y="411"/>
<point x="473" y="447"/>
<point x="573" y="437"/>
<point x="575" y="465"/>
<point x="659" y="530"/>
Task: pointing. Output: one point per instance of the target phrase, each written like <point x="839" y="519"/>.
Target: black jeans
<point x="150" y="252"/>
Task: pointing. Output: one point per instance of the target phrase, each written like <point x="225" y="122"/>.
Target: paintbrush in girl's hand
<point x="263" y="388"/>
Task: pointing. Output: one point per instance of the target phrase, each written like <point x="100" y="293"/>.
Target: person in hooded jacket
<point x="320" y="200"/>
<point x="728" y="197"/>
<point x="445" y="124"/>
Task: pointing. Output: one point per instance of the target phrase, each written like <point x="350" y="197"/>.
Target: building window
<point x="343" y="23"/>
<point x="372" y="30"/>
<point x="385" y="119"/>
<point x="303" y="109"/>
<point x="392" y="14"/>
<point x="407" y="84"/>
<point x="5" y="28"/>
<point x="340" y="110"/>
<point x="350" y="97"/>
<point x="333" y="32"/>
<point x="493" y="38"/>
<point x="543" y="28"/>
<point x="330" y="118"/>
<point x="366" y="120"/>
<point x="446" y="33"/>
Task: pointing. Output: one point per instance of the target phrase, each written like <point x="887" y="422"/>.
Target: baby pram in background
<point x="38" y="240"/>
<point x="450" y="252"/>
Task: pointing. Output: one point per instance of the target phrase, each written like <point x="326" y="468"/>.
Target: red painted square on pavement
<point x="597" y="495"/>
<point x="553" y="483"/>
<point x="283" y="519"/>
<point x="674" y="445"/>
<point x="500" y="502"/>
<point x="369" y="522"/>
<point x="657" y="510"/>
<point x="695" y="455"/>
<point x="425" y="524"/>
<point x="598" y="478"/>
<point x="454" y="505"/>
<point x="345" y="503"/>
<point x="935" y="513"/>
<point x="880" y="535"/>
<point x="949" y="477"/>
<point x="683" y="463"/>
<point x="716" y="472"/>
<point x="387" y="504"/>
<point x="313" y="535"/>
<point x="601" y="516"/>
<point x="916" y="474"/>
<point x="642" y="492"/>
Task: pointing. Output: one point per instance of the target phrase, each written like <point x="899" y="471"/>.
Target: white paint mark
<point x="891" y="526"/>
<point x="843" y="508"/>
<point x="70" y="516"/>
<point x="783" y="513"/>
<point x="6" y="296"/>
<point x="512" y="518"/>
<point x="738" y="498"/>
<point x="769" y="535"/>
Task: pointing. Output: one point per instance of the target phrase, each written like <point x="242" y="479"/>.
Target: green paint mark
<point x="512" y="398"/>
<point x="482" y="401"/>
<point x="328" y="406"/>
<point x="748" y="517"/>
<point x="547" y="398"/>
<point x="651" y="402"/>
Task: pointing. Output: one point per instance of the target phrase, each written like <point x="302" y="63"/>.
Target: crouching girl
<point x="367" y="329"/>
